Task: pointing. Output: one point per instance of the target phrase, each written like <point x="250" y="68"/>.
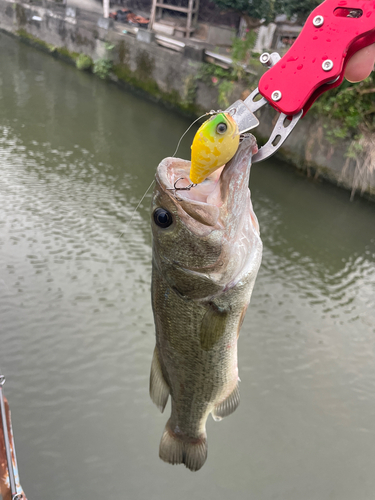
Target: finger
<point x="361" y="64"/>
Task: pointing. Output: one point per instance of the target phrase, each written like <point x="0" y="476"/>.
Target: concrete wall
<point x="171" y="77"/>
<point x="309" y="149"/>
<point x="220" y="35"/>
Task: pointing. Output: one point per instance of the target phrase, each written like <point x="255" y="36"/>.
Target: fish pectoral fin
<point x="159" y="389"/>
<point x="213" y="327"/>
<point x="227" y="406"/>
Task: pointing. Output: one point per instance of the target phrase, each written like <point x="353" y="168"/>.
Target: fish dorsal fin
<point x="159" y="389"/>
<point x="213" y="326"/>
<point x="227" y="406"/>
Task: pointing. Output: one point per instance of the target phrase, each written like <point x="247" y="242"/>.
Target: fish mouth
<point x="177" y="181"/>
<point x="220" y="194"/>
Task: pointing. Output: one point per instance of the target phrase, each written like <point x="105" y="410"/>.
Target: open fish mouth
<point x="220" y="194"/>
<point x="207" y="191"/>
<point x="198" y="204"/>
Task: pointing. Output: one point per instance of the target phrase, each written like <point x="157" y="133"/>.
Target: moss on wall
<point x="123" y="52"/>
<point x="82" y="40"/>
<point x="66" y="54"/>
<point x="20" y="14"/>
<point x="9" y="10"/>
<point x="60" y="52"/>
<point x="33" y="40"/>
<point x="145" y="65"/>
<point x="141" y="78"/>
<point x="150" y="87"/>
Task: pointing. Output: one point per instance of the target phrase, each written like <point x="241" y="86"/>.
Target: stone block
<point x="220" y="35"/>
<point x="71" y="12"/>
<point x="145" y="36"/>
<point x="193" y="52"/>
<point x="164" y="29"/>
<point x="105" y="23"/>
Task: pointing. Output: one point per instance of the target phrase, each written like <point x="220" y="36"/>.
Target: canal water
<point x="77" y="335"/>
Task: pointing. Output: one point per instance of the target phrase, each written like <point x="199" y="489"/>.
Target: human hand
<point x="361" y="64"/>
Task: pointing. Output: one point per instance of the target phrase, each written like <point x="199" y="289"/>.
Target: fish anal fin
<point x="213" y="327"/>
<point x="159" y="389"/>
<point x="227" y="406"/>
<point x="176" y="448"/>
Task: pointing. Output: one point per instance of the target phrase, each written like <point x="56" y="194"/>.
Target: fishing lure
<point x="214" y="144"/>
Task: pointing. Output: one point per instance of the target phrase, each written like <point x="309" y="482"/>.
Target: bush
<point x="351" y="106"/>
<point x="84" y="62"/>
<point x="102" y="68"/>
<point x="241" y="48"/>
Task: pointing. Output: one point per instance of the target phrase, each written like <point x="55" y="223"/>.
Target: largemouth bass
<point x="206" y="255"/>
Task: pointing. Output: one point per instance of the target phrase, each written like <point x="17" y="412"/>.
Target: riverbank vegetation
<point x="350" y="110"/>
<point x="257" y="12"/>
<point x="351" y="106"/>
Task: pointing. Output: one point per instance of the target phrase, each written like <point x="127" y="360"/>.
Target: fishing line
<point x="212" y="112"/>
<point x="136" y="208"/>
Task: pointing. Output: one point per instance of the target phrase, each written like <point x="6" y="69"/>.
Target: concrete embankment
<point x="174" y="77"/>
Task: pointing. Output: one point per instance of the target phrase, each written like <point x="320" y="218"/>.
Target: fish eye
<point x="221" y="128"/>
<point x="162" y="218"/>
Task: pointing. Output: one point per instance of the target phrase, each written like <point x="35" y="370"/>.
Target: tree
<point x="253" y="11"/>
<point x="300" y="8"/>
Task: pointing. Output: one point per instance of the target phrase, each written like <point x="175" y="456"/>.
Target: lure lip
<point x="243" y="116"/>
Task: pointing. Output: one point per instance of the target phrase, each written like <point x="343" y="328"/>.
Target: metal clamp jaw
<point x="243" y="113"/>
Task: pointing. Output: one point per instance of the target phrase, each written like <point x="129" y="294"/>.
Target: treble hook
<point x="244" y="136"/>
<point x="186" y="188"/>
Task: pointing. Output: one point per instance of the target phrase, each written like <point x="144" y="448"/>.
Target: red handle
<point x="315" y="63"/>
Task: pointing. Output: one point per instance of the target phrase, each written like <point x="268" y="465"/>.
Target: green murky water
<point x="76" y="155"/>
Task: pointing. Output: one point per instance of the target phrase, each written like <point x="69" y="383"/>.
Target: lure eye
<point x="162" y="218"/>
<point x="221" y="128"/>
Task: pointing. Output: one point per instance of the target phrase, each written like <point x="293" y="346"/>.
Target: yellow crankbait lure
<point x="214" y="144"/>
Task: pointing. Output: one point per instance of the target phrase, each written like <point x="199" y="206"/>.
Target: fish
<point x="214" y="144"/>
<point x="206" y="254"/>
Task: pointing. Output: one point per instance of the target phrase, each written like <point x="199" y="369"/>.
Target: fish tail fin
<point x="180" y="449"/>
